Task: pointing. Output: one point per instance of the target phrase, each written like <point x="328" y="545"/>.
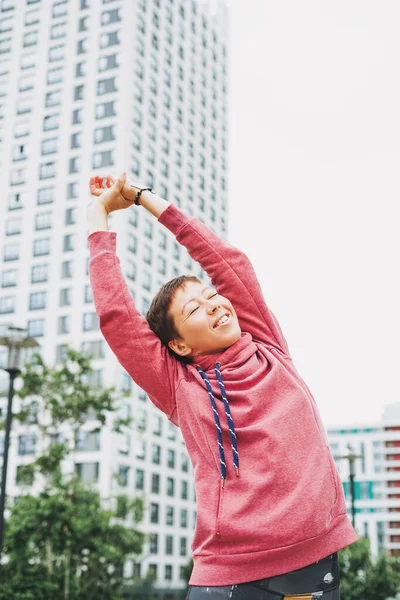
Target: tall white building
<point x="91" y="86"/>
<point x="377" y="477"/>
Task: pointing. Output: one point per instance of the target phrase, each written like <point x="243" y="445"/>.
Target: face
<point x="206" y="322"/>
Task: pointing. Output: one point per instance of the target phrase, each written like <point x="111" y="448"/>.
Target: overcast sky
<point x="314" y="187"/>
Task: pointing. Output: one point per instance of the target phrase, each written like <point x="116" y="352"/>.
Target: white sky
<point x="314" y="187"/>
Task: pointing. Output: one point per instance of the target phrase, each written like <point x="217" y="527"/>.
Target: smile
<point x="224" y="320"/>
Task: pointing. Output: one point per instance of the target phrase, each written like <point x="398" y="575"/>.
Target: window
<point x="83" y="24"/>
<point x="94" y="349"/>
<point x="39" y="273"/>
<point x="37" y="300"/>
<point x="183" y="546"/>
<point x="108" y="62"/>
<point x="45" y="195"/>
<point x="139" y="479"/>
<point x="13" y="226"/>
<point x="11" y="252"/>
<point x="81" y="69"/>
<point x="64" y="324"/>
<point x="82" y="46"/>
<point x="21" y="129"/>
<point x="110" y="16"/>
<point x="59" y="30"/>
<point x="49" y="146"/>
<point x="51" y="122"/>
<point x="79" y="92"/>
<point x="27" y="444"/>
<point x="35" y="328"/>
<point x="169" y="515"/>
<point x="61" y="352"/>
<point x="105" y="86"/>
<point x="72" y="190"/>
<point x="90" y="322"/>
<point x="103" y="159"/>
<point x="32" y="17"/>
<point x="168" y="572"/>
<point x="88" y="472"/>
<point x="77" y="116"/>
<point x="184" y="517"/>
<point x="19" y="152"/>
<point x="66" y="297"/>
<point x="171" y="458"/>
<point x="156" y="454"/>
<point x="170" y="486"/>
<point x="89" y="295"/>
<point x="153" y="538"/>
<point x="106" y="109"/>
<point x="104" y="134"/>
<point x="47" y="170"/>
<point x="68" y="242"/>
<point x="7" y="305"/>
<point x="123" y="474"/>
<point x="41" y="247"/>
<point x="26" y="83"/>
<point x="109" y="39"/>
<point x="155" y="483"/>
<point x="9" y="278"/>
<point x="184" y="463"/>
<point x="56" y="53"/>
<point x="43" y="221"/>
<point x="154" y="512"/>
<point x="184" y="490"/>
<point x="169" y="544"/>
<point x="75" y="164"/>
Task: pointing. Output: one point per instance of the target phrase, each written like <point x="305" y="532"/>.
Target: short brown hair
<point x="159" y="317"/>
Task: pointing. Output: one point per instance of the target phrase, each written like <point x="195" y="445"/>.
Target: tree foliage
<point x="361" y="578"/>
<point x="63" y="542"/>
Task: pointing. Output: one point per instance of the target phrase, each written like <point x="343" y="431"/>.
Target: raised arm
<point x="126" y="331"/>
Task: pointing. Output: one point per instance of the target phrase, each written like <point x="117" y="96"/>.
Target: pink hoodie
<point x="286" y="510"/>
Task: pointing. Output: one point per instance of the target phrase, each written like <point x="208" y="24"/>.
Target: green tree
<point x="361" y="578"/>
<point x="63" y="543"/>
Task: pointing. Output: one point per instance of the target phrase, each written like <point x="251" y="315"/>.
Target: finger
<point x="120" y="182"/>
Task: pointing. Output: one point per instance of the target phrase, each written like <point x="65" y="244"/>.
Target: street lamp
<point x="15" y="339"/>
<point x="351" y="457"/>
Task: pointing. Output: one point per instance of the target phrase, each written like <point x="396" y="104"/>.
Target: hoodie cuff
<point x="102" y="241"/>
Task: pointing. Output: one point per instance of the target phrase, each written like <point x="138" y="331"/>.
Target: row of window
<point x="153" y="571"/>
<point x="43" y="220"/>
<point x="169" y="545"/>
<point x="40" y="274"/>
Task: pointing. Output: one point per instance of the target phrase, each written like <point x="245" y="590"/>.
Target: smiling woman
<point x="224" y="375"/>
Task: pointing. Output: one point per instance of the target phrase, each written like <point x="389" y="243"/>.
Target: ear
<point x="180" y="347"/>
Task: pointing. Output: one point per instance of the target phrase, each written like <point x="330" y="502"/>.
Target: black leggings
<point x="319" y="580"/>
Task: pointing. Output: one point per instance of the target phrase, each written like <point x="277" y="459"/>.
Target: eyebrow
<point x="192" y="299"/>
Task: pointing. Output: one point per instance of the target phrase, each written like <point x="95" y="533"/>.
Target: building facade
<point x="377" y="477"/>
<point x="96" y="87"/>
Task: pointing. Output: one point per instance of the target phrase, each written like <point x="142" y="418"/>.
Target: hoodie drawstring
<point x="229" y="418"/>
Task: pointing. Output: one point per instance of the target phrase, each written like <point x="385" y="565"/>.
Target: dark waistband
<point x="321" y="576"/>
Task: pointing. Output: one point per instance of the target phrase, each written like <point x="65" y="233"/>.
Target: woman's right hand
<point x="111" y="197"/>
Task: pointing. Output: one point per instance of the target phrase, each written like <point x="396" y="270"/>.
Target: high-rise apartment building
<point x="99" y="86"/>
<point x="377" y="477"/>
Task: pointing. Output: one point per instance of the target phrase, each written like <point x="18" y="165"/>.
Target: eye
<point x="192" y="311"/>
<point x="212" y="296"/>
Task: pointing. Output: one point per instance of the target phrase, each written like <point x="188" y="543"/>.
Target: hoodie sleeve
<point x="126" y="331"/>
<point x="231" y="273"/>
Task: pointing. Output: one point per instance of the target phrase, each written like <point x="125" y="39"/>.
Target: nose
<point x="212" y="308"/>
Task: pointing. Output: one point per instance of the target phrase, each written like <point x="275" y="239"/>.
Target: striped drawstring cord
<point x="231" y="426"/>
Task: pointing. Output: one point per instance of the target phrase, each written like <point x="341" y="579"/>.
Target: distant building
<point x="377" y="479"/>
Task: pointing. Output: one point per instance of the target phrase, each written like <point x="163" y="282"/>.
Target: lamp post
<point x="15" y="339"/>
<point x="351" y="457"/>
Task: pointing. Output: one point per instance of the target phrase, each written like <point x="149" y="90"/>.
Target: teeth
<point x="222" y="320"/>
